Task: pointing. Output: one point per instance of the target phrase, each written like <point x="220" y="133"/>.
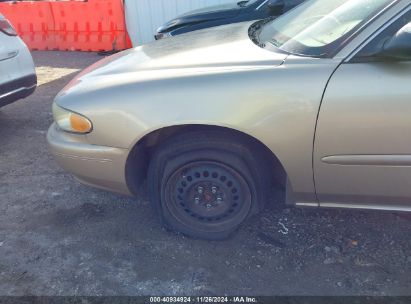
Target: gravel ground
<point x="58" y="237"/>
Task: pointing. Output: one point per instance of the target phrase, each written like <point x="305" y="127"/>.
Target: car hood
<point x="202" y="15"/>
<point x="227" y="48"/>
<point x="213" y="9"/>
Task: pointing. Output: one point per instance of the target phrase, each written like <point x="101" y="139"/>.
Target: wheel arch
<point x="140" y="154"/>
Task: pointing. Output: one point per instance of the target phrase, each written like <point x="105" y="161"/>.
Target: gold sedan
<point x="317" y="101"/>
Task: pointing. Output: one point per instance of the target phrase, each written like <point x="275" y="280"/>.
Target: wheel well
<point x="139" y="157"/>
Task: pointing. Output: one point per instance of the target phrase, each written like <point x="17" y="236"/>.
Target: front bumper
<point x="97" y="166"/>
<point x="17" y="89"/>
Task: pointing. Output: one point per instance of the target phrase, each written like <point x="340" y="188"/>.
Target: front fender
<point x="276" y="105"/>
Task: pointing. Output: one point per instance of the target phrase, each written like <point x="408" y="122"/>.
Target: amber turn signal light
<point x="79" y="123"/>
<point x="70" y="121"/>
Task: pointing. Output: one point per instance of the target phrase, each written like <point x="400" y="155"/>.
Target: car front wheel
<point x="205" y="184"/>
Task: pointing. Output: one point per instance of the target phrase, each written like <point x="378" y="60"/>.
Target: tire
<point x="205" y="184"/>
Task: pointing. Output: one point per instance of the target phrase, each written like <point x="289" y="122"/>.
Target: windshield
<point x="318" y="27"/>
<point x="247" y="3"/>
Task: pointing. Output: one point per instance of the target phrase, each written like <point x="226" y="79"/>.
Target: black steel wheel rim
<point x="208" y="193"/>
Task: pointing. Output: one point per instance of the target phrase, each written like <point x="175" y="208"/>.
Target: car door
<point x="362" y="150"/>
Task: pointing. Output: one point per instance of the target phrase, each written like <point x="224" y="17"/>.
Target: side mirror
<point x="399" y="46"/>
<point x="276" y="7"/>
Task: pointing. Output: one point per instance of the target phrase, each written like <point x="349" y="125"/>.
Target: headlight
<point x="70" y="121"/>
<point x="7" y="28"/>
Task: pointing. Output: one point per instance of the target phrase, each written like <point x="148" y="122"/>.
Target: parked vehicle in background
<point x="17" y="73"/>
<point x="316" y="101"/>
<point x="225" y="14"/>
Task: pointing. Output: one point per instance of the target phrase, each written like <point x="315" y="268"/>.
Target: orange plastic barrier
<point x="90" y="26"/>
<point x="93" y="25"/>
<point x="33" y="21"/>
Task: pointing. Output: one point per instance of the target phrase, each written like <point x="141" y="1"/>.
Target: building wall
<point x="145" y="16"/>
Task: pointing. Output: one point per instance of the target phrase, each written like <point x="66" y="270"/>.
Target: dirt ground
<point x="58" y="237"/>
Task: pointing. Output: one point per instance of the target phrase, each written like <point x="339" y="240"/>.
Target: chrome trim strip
<point x="366" y="207"/>
<point x="84" y="158"/>
<point x="258" y="7"/>
<point x="18" y="90"/>
<point x="307" y="205"/>
<point x="369" y="160"/>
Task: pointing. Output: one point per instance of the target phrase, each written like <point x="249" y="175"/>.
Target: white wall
<point x="143" y="17"/>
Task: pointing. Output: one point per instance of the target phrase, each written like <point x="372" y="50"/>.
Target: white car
<point x="17" y="72"/>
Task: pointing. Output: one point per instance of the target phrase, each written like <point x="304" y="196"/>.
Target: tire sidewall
<point x="169" y="160"/>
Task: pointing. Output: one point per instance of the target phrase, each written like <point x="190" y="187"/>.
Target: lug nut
<point x="214" y="190"/>
<point x="209" y="206"/>
<point x="200" y="190"/>
<point x="197" y="200"/>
